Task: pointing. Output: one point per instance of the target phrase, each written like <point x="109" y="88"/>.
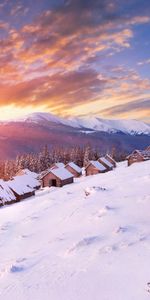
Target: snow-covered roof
<point x="97" y="165"/>
<point x="6" y="194"/>
<point x="26" y="172"/>
<point x="133" y="153"/>
<point x="30" y="178"/>
<point x="20" y="185"/>
<point x="106" y="162"/>
<point x="31" y="181"/>
<point x="43" y="173"/>
<point x="58" y="165"/>
<point x="109" y="156"/>
<point x="61" y="173"/>
<point x="75" y="167"/>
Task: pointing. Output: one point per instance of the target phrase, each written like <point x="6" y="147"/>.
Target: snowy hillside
<point x="93" y="123"/>
<point x="70" y="245"/>
<point x="112" y="126"/>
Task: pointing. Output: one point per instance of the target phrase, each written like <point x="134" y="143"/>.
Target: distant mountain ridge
<point x="32" y="132"/>
<point x="133" y="127"/>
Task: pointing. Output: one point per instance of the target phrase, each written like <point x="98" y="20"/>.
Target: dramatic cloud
<point x="59" y="90"/>
<point x="57" y="54"/>
<point x="140" y="105"/>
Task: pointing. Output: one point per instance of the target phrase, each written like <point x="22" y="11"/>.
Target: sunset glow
<point x="76" y="57"/>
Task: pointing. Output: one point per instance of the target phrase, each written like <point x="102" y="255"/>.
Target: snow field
<point x="88" y="240"/>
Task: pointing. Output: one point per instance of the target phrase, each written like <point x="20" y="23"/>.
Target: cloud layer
<point x="67" y="54"/>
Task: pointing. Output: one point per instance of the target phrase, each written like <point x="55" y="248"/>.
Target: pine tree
<point x="86" y="155"/>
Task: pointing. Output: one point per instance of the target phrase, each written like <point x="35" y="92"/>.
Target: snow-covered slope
<point x="42" y="117"/>
<point x="93" y="123"/>
<point x="62" y="244"/>
<point x="125" y="126"/>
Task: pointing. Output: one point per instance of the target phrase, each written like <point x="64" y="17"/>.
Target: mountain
<point x="92" y="123"/>
<point x="32" y="132"/>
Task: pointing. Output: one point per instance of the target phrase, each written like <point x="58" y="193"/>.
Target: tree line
<point x="38" y="162"/>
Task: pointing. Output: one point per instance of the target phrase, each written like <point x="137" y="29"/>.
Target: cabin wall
<point x="1" y="202"/>
<point x="21" y="197"/>
<point x="91" y="170"/>
<point x="27" y="195"/>
<point x="111" y="161"/>
<point x="134" y="158"/>
<point x="72" y="171"/>
<point x="67" y="181"/>
<point x="11" y="202"/>
<point x="59" y="183"/>
<point x="46" y="180"/>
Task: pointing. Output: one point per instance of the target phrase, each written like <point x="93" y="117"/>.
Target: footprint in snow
<point x="148" y="287"/>
<point x="18" y="266"/>
<point x="121" y="229"/>
<point x="124" y="229"/>
<point x="103" y="211"/>
<point x="31" y="218"/>
<point x="108" y="249"/>
<point x="85" y="242"/>
<point x="90" y="190"/>
<point x="21" y="259"/>
<point x="6" y="226"/>
<point x="99" y="188"/>
<point x="34" y="217"/>
<point x="143" y="238"/>
<point x="113" y="248"/>
<point x="16" y="269"/>
<point x="24" y="236"/>
<point x="111" y="207"/>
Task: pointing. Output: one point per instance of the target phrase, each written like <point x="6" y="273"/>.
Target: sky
<point x="75" y="58"/>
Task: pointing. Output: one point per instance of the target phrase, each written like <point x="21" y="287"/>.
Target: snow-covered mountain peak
<point x="125" y="125"/>
<point x="92" y="123"/>
<point x="40" y="116"/>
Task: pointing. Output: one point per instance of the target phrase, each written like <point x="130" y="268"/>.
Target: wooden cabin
<point x="42" y="174"/>
<point x="57" y="165"/>
<point x="138" y="156"/>
<point x="111" y="160"/>
<point x="94" y="167"/>
<point x="20" y="188"/>
<point x="106" y="163"/>
<point x="6" y="194"/>
<point x="75" y="170"/>
<point x="57" y="177"/>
